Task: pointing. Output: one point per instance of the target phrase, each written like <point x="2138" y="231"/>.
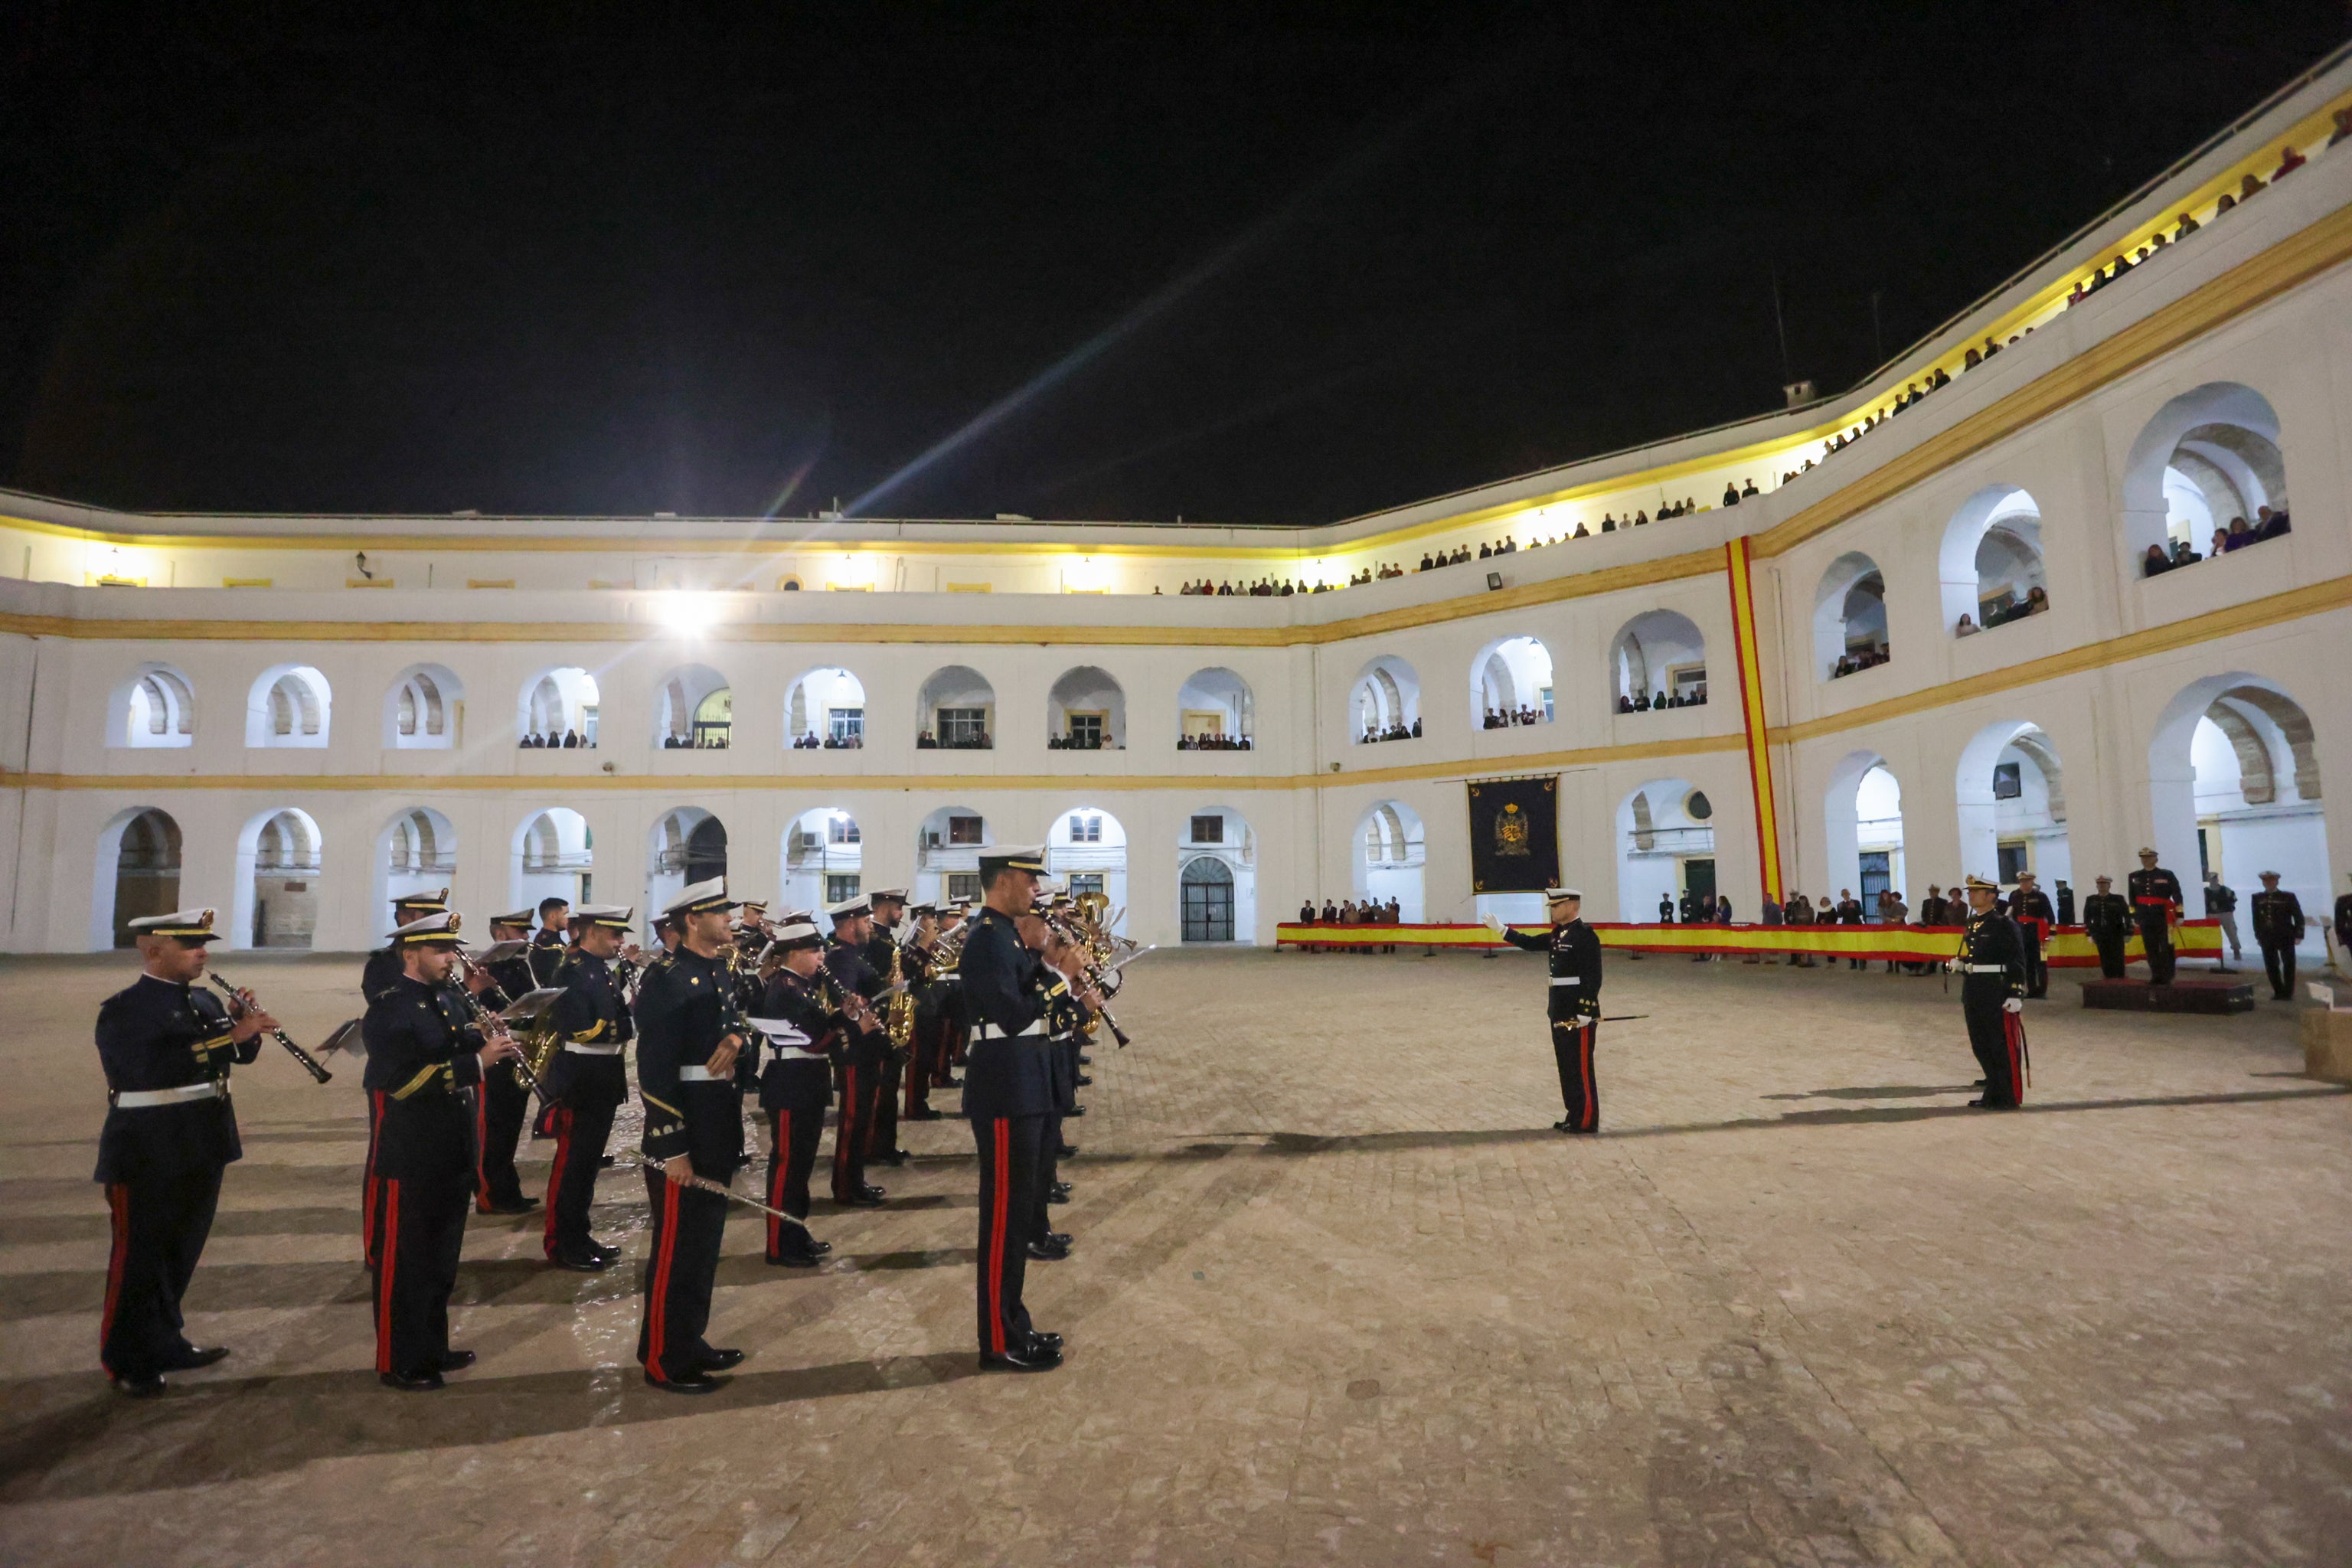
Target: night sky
<point x="1260" y="265"/>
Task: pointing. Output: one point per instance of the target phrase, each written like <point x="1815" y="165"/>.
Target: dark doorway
<point x="146" y="872"/>
<point x="1877" y="878"/>
<point x="1699" y="879"/>
<point x="1208" y="885"/>
<point x="706" y="851"/>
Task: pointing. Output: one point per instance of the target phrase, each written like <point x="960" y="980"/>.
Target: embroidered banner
<point x="1515" y="834"/>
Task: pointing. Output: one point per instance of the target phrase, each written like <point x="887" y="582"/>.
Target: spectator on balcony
<point x="2037" y="600"/>
<point x="2155" y="562"/>
<point x="2182" y="555"/>
<point x="1730" y="496"/>
<point x="924" y="743"/>
<point x="2269" y="524"/>
<point x="1966" y="627"/>
<point x="2185" y="226"/>
<point x="2220" y="541"/>
<point x="2289" y="161"/>
<point x="1640" y="519"/>
<point x="2224" y="205"/>
<point x="571" y="741"/>
<point x="2250" y="188"/>
<point x="2343" y="127"/>
<point x="2239" y="536"/>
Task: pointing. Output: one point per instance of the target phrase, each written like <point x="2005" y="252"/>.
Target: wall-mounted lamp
<point x="1494" y="581"/>
<point x="360" y="561"/>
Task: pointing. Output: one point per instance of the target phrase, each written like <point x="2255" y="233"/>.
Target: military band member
<point x="955" y="1019"/>
<point x="426" y="1059"/>
<point x="921" y="952"/>
<point x="547" y="941"/>
<point x="1008" y="1093"/>
<point x="2278" y="927"/>
<point x="1066" y="1015"/>
<point x="889" y="907"/>
<point x="1574" y="1005"/>
<point x="586" y="1082"/>
<point x="504" y="1105"/>
<point x="166" y="1048"/>
<point x="866" y="1046"/>
<point x="377" y="976"/>
<point x="803" y="1016"/>
<point x="2155" y="905"/>
<point x="1992" y="963"/>
<point x="2030" y="908"/>
<point x="2107" y="922"/>
<point x="689" y="1036"/>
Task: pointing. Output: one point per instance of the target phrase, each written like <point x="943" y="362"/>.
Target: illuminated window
<point x="963" y="830"/>
<point x="1208" y="830"/>
<point x="842" y="830"/>
<point x="1084" y="829"/>
<point x="839" y="886"/>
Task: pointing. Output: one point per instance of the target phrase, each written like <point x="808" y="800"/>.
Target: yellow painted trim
<point x="489" y="582"/>
<point x="247" y="581"/>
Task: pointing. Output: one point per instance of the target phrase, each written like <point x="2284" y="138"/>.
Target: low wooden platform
<point x="2183" y="995"/>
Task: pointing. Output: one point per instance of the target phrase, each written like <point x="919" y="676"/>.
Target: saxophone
<point x="899" y="1022"/>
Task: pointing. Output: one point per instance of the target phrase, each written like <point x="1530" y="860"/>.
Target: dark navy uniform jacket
<point x="798" y="1082"/>
<point x="2149" y="889"/>
<point x="2106" y="914"/>
<point x="421" y="1048"/>
<point x="161" y="1035"/>
<point x="1992" y="938"/>
<point x="1575" y="952"/>
<point x="848" y="966"/>
<point x="685" y="1004"/>
<point x="2278" y="918"/>
<point x="1006" y="987"/>
<point x="379" y="973"/>
<point x="591" y="1012"/>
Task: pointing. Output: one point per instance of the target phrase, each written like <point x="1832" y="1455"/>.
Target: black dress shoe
<point x="191" y="1358"/>
<point x="1076" y="1111"/>
<point x="864" y="1198"/>
<point x="1086" y="1078"/>
<point x="604" y="1161"/>
<point x="457" y="1361"/>
<point x="693" y="1383"/>
<point x="877" y="1194"/>
<point x="1049" y="1251"/>
<point x="950" y="1081"/>
<point x="520" y="1205"/>
<point x="1030" y="1357"/>
<point x="1067" y="1152"/>
<point x="1085" y="1061"/>
<point x="720" y="1359"/>
<point x="1059" y="1238"/>
<point x="1565" y="1125"/>
<point x="925" y="1113"/>
<point x="1064" y="1188"/>
<point x="584" y="1263"/>
<point x="411" y="1382"/>
<point x="1044" y="1341"/>
<point x="895" y="1157"/>
<point x="1993" y="1105"/>
<point x="141" y="1386"/>
<point x="795" y="1260"/>
<point x="605" y="1251"/>
<point x="1058" y="1193"/>
<point x="1978" y="1084"/>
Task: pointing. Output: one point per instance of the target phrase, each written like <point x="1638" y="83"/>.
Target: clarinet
<point x="309" y="1063"/>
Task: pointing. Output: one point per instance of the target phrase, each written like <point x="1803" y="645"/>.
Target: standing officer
<point x="2278" y="927"/>
<point x="883" y="949"/>
<point x="1991" y="962"/>
<point x="1064" y="1017"/>
<point x="955" y="1019"/>
<point x="166" y="1048"/>
<point x="1008" y="1093"/>
<point x="2065" y="897"/>
<point x="1575" y="1001"/>
<point x="866" y="1046"/>
<point x="2107" y="921"/>
<point x="427" y="1061"/>
<point x="586" y="1082"/>
<point x="803" y="1016"/>
<point x="2156" y="904"/>
<point x="923" y="964"/>
<point x="2030" y="908"/>
<point x="689" y="1035"/>
<point x="504" y="1105"/>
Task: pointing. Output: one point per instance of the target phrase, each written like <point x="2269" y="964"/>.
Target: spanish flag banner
<point x="2068" y="947"/>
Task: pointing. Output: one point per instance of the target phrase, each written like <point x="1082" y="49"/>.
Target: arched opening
<point x="1086" y="847"/>
<point x="955" y="712"/>
<point x="1215" y="711"/>
<point x="1510" y="684"/>
<point x="825" y="710"/>
<point x="1850" y="617"/>
<point x="289" y="705"/>
<point x="1217" y="877"/>
<point x="824" y="858"/>
<point x="2233" y="773"/>
<point x="156" y="707"/>
<point x="138" y="874"/>
<point x="1385" y="703"/>
<point x="947" y="854"/>
<point x="423" y="709"/>
<point x="688" y="845"/>
<point x="2013" y="803"/>
<point x="554" y="857"/>
<point x="694" y="710"/>
<point x="278" y="863"/>
<point x="1086" y="711"/>
<point x="558" y="709"/>
<point x="1665" y="847"/>
<point x="1658" y="659"/>
<point x="1390" y="854"/>
<point x="418" y="850"/>
<point x="1863" y="830"/>
<point x="2209" y="458"/>
<point x="1991" y="564"/>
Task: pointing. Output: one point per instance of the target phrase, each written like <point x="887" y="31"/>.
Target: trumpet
<point x="244" y="1002"/>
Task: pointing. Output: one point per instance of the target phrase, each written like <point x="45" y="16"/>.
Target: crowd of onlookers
<point x="1644" y="702"/>
<point x="1504" y="718"/>
<point x="980" y="741"/>
<point x="1214" y="743"/>
<point x="1370" y="912"/>
<point x="1078" y="742"/>
<point x="2001" y="612"/>
<point x="2267" y="524"/>
<point x="700" y="741"/>
<point x="812" y="742"/>
<point x="1855" y="659"/>
<point x="568" y="741"/>
<point x="1263" y="588"/>
<point x="1392" y="733"/>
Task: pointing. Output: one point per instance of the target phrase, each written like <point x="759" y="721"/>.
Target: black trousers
<point x="2155" y="936"/>
<point x="369" y="1251"/>
<point x="160" y="1224"/>
<point x="688" y="1225"/>
<point x="791" y="1155"/>
<point x="1012" y="1153"/>
<point x="580" y="1134"/>
<point x="2278" y="960"/>
<point x="499" y="1110"/>
<point x="886" y="1091"/>
<point x="2111" y="955"/>
<point x="1997" y="1035"/>
<point x="923" y="1067"/>
<point x="1049" y="1171"/>
<point x="1578" y="1090"/>
<point x="853" y="1132"/>
<point x="420" y="1230"/>
<point x="2037" y="968"/>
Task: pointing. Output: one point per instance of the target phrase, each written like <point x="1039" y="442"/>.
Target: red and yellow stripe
<point x="2068" y="947"/>
<point x="1751" y="713"/>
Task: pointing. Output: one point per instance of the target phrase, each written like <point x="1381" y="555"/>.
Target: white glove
<point x="1494" y="922"/>
<point x="2013" y="1006"/>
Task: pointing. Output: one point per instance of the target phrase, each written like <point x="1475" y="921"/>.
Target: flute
<point x="243" y="1000"/>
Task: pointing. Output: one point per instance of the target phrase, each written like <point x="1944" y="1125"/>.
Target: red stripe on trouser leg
<point x="781" y="1125"/>
<point x="1590" y="1111"/>
<point x="845" y="1130"/>
<point x="555" y="1174"/>
<point x="368" y="1190"/>
<point x="658" y="1310"/>
<point x="1000" y="1162"/>
<point x="385" y="1273"/>
<point x="2013" y="1035"/>
<point x="482" y="1148"/>
<point x="118" y="1206"/>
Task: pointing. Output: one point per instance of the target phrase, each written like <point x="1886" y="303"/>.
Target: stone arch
<point x="1849" y="612"/>
<point x="1657" y="651"/>
<point x="280" y="856"/>
<point x="136" y="873"/>
<point x="422" y="709"/>
<point x="1662" y="833"/>
<point x="824" y="858"/>
<point x="417" y="851"/>
<point x="1086" y="709"/>
<point x="1217" y="704"/>
<point x="288" y="705"/>
<point x="1385" y="701"/>
<point x="1862" y="819"/>
<point x="826" y="707"/>
<point x="1391" y="850"/>
<point x="2209" y="455"/>
<point x="1991" y="557"/>
<point x="556" y="701"/>
<point x="956" y="709"/>
<point x="2011" y="792"/>
<point x="553" y="855"/>
<point x="1086" y="847"/>
<point x="2234" y="785"/>
<point x="155" y="707"/>
<point x="1216" y="862"/>
<point x="695" y="709"/>
<point x="685" y="845"/>
<point x="1511" y="676"/>
<point x="948" y="843"/>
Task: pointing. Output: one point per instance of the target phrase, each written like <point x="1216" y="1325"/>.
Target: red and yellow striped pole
<point x="1751" y="713"/>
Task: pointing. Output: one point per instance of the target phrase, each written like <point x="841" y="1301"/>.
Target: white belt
<point x="140" y="1099"/>
<point x="1566" y="980"/>
<point x="992" y="1032"/>
<point x="703" y="1075"/>
<point x="794" y="1054"/>
<point x="1984" y="968"/>
<point x="576" y="1048"/>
